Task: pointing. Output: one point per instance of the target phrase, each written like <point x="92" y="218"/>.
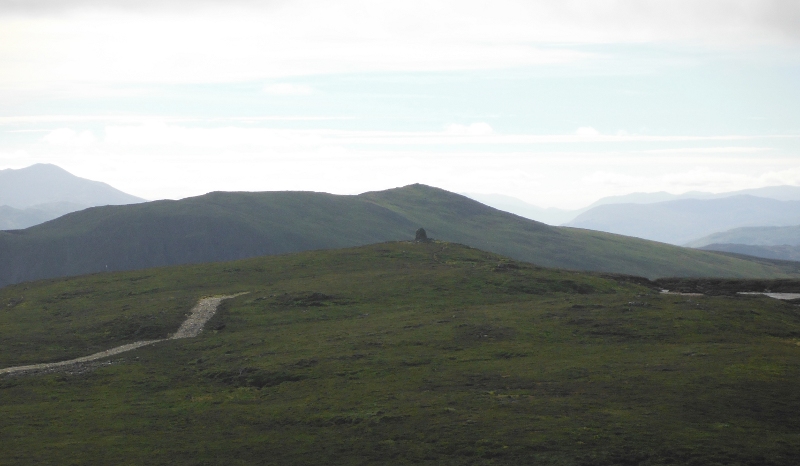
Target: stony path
<point x="191" y="327"/>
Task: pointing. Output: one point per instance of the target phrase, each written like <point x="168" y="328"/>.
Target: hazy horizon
<point x="555" y="103"/>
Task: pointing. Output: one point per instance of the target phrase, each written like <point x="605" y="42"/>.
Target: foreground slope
<point x="225" y="226"/>
<point x="397" y="353"/>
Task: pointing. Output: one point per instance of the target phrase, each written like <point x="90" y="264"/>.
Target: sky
<point x="555" y="102"/>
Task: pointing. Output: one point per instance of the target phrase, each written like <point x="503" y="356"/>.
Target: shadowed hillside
<point x="223" y="226"/>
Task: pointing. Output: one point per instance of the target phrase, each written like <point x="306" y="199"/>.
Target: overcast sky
<point x="557" y="103"/>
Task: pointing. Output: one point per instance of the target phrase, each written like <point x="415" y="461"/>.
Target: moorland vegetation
<point x="398" y="353"/>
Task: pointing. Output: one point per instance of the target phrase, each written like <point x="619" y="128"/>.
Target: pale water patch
<point x="773" y="295"/>
<point x="681" y="294"/>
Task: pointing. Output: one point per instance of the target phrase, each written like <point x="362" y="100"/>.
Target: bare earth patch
<point x="191" y="327"/>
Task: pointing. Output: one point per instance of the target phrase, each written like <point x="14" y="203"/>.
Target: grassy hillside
<point x="454" y="218"/>
<point x="397" y="353"/>
<point x="226" y="226"/>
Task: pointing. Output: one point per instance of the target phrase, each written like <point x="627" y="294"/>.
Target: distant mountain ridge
<point x="755" y="236"/>
<point x="779" y="193"/>
<point x="223" y="226"/>
<point x="682" y="221"/>
<point x="768" y="242"/>
<point x="779" y="252"/>
<point x="548" y="215"/>
<point x="41" y="192"/>
<point x="14" y="219"/>
<point x="555" y="216"/>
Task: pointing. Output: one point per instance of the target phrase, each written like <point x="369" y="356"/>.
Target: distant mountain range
<point x="781" y="252"/>
<point x="554" y="216"/>
<point x="755" y="236"/>
<point x="13" y="219"/>
<point x="769" y="242"/>
<point x="780" y="193"/>
<point x="549" y="215"/>
<point x="682" y="221"/>
<point x="223" y="226"/>
<point x="42" y="192"/>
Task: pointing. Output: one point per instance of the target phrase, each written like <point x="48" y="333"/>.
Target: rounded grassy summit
<point x="223" y="226"/>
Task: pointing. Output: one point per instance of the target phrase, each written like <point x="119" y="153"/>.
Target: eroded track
<point x="191" y="327"/>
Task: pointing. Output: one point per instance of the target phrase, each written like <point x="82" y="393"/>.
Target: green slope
<point x="213" y="227"/>
<point x="454" y="218"/>
<point x="397" y="353"/>
<point x="225" y="226"/>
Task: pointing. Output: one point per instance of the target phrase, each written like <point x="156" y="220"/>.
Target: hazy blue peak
<point x="781" y="193"/>
<point x="48" y="184"/>
<point x="554" y="216"/>
<point x="683" y="220"/>
<point x="753" y="236"/>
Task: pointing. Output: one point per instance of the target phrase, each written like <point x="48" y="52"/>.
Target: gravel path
<point x="191" y="327"/>
<point x="204" y="310"/>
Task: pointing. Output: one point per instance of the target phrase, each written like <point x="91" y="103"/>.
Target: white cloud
<point x="588" y="131"/>
<point x="474" y="129"/>
<point x="230" y="46"/>
<point x="69" y="137"/>
<point x="156" y="132"/>
<point x="150" y="119"/>
<point x="288" y="89"/>
<point x="94" y="42"/>
<point x="157" y="158"/>
<point x="97" y="48"/>
<point x="479" y="20"/>
<point x="161" y="134"/>
<point x="157" y="161"/>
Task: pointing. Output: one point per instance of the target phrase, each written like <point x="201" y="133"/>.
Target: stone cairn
<point x="421" y="236"/>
